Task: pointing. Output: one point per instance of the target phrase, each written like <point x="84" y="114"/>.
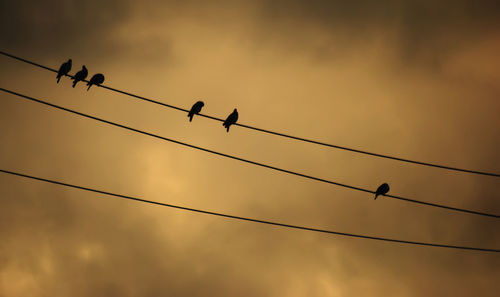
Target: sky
<point x="414" y="79"/>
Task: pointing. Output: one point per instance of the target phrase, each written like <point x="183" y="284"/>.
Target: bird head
<point x="235" y="110"/>
<point x="83" y="67"/>
<point x="69" y="61"/>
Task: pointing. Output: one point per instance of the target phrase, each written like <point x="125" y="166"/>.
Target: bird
<point x="231" y="119"/>
<point x="195" y="109"/>
<point x="382" y="190"/>
<point x="64" y="69"/>
<point x="80" y="75"/>
<point x="97" y="79"/>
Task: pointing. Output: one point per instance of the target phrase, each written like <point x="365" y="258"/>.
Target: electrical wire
<point x="242" y="159"/>
<point x="269" y="131"/>
<point x="248" y="219"/>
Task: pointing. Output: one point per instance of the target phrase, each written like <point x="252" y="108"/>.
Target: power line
<point x="245" y="218"/>
<point x="245" y="160"/>
<point x="269" y="131"/>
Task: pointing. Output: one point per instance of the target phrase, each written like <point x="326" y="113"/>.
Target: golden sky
<point x="414" y="79"/>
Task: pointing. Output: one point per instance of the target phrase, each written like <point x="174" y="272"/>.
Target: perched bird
<point x="382" y="190"/>
<point x="195" y="109"/>
<point x="64" y="70"/>
<point x="97" y="79"/>
<point x="231" y="119"/>
<point x="80" y="75"/>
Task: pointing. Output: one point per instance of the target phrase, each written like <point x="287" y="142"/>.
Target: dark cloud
<point x="370" y="13"/>
<point x="60" y="26"/>
<point x="424" y="31"/>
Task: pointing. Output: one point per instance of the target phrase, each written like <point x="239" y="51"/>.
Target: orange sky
<point x="407" y="78"/>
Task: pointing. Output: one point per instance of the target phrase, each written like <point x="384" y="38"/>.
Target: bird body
<point x="64" y="69"/>
<point x="195" y="109"/>
<point x="231" y="119"/>
<point x="382" y="190"/>
<point x="80" y="75"/>
<point x="97" y="79"/>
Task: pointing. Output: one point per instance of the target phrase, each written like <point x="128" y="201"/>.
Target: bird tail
<point x="227" y="128"/>
<point x="75" y="81"/>
<point x="88" y="87"/>
<point x="58" y="78"/>
<point x="190" y="115"/>
<point x="376" y="195"/>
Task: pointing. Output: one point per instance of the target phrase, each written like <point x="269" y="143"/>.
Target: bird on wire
<point x="80" y="75"/>
<point x="97" y="80"/>
<point x="382" y="190"/>
<point x="64" y="69"/>
<point x="195" y="109"/>
<point x="231" y="119"/>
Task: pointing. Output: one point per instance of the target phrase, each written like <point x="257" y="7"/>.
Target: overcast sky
<point x="414" y="79"/>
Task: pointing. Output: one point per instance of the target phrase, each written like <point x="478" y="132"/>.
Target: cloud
<point x="60" y="26"/>
<point x="422" y="31"/>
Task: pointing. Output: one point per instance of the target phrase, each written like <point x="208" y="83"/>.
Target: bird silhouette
<point x="64" y="70"/>
<point x="97" y="79"/>
<point x="195" y="109"/>
<point x="231" y="119"/>
<point x="80" y="75"/>
<point x="382" y="190"/>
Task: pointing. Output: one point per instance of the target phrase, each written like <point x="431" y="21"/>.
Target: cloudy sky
<point x="416" y="79"/>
